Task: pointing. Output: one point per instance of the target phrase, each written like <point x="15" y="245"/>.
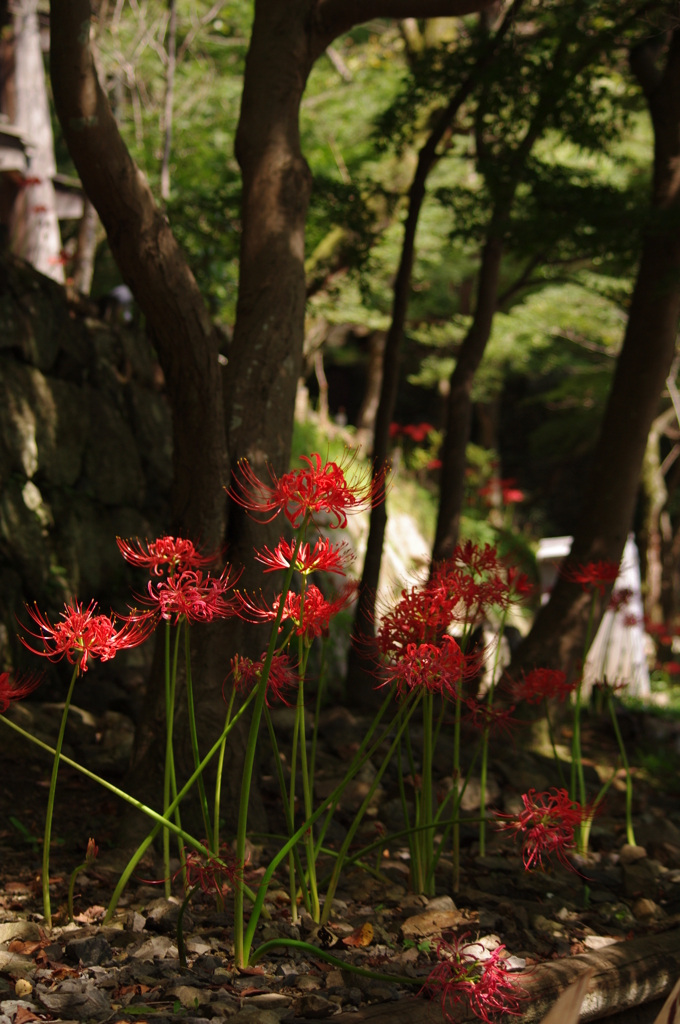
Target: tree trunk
<point x="369" y="406"/>
<point x="459" y="407"/>
<point x="36" y="231"/>
<point x="557" y="636"/>
<point x="656" y="494"/>
<point x="360" y="670"/>
<point x="87" y="249"/>
<point x="169" y="98"/>
<point x="256" y="420"/>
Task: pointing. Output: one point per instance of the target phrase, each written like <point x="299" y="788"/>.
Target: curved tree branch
<point x="153" y="266"/>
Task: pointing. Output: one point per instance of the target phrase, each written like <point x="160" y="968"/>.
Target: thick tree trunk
<point x="369" y="406"/>
<point x="360" y="666"/>
<point x="648" y="349"/>
<point x="459" y="407"/>
<point x="264" y="359"/>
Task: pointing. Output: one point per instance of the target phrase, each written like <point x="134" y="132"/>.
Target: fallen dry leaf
<point x="361" y="936"/>
<point x="21" y="946"/>
<point x="23" y="1015"/>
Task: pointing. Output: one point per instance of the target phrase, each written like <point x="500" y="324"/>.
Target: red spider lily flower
<point x="310" y="617"/>
<point x="544" y="684"/>
<point x="468" y="974"/>
<point x="593" y="575"/>
<point x="431" y="667"/>
<point x="395" y="429"/>
<point x="672" y="667"/>
<point x="171" y="554"/>
<point x="546" y="825"/>
<point x="246" y="674"/>
<point x="81" y="635"/>
<point x="323" y="557"/>
<point x="421" y="615"/>
<point x="482" y="716"/>
<point x="417" y="431"/>
<point x="319" y="487"/>
<point x="662" y="631"/>
<point x="17" y="690"/>
<point x="91" y="852"/>
<point x="214" y="874"/>
<point x="519" y="583"/>
<point x="191" y="596"/>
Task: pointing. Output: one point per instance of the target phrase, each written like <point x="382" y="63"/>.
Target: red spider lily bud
<point x="593" y="575"/>
<point x="167" y="554"/>
<point x="546" y="825"/>
<point x="310" y="617"/>
<point x="323" y="557"/>
<point x="16" y="690"/>
<point x="543" y="684"/>
<point x="92" y="851"/>
<point x="319" y="487"/>
<point x="189" y="595"/>
<point x="466" y="973"/>
<point x="246" y="674"/>
<point x="81" y="635"/>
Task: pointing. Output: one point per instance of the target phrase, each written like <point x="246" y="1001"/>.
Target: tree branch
<point x="333" y="17"/>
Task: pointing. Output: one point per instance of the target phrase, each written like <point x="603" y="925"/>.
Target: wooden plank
<point x="627" y="974"/>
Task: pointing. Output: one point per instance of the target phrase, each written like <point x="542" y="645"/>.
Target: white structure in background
<point x="41" y="241"/>
<point x="618" y="650"/>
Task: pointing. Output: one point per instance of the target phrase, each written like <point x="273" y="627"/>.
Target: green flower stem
<point x="576" y="755"/>
<point x="169" y="779"/>
<point x="360" y="758"/>
<point x="194" y="736"/>
<point x="307" y="791"/>
<point x="576" y="766"/>
<point x="240" y="949"/>
<point x="291" y="804"/>
<point x="587" y="824"/>
<point x="321" y="954"/>
<point x="71" y="888"/>
<point x="218" y="780"/>
<point x="294" y="854"/>
<point x="630" y="835"/>
<point x="427" y="839"/>
<point x="456" y="776"/>
<point x="141" y="850"/>
<point x="485" y="743"/>
<point x="317" y="711"/>
<point x="455" y="821"/>
<point x="330" y="802"/>
<point x="47" y="909"/>
<point x="405" y="714"/>
<point x="181" y="948"/>
<point x="413" y="847"/>
<point x="552" y="744"/>
<point x="162" y="821"/>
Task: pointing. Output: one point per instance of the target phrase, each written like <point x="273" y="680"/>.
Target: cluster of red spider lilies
<point x="424" y="660"/>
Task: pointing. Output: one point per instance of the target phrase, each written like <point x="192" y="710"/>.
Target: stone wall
<point x="85" y="452"/>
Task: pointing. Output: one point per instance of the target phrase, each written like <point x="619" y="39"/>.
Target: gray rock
<point x="75" y="998"/>
<point x="316" y="1006"/>
<point x="640" y="879"/>
<point x="25" y="930"/>
<point x="89" y="951"/>
<point x="379" y="992"/>
<point x="161" y="916"/>
<point x="112" y="465"/>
